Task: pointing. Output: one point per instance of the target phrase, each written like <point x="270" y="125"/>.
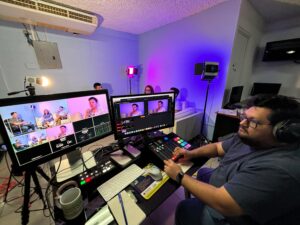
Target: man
<point x="257" y="181"/>
<point x="19" y="125"/>
<point x="160" y="107"/>
<point x="97" y="86"/>
<point x="94" y="109"/>
<point x="63" y="131"/>
<point x="135" y="110"/>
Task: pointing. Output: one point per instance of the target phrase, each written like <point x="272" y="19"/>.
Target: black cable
<point x="48" y="186"/>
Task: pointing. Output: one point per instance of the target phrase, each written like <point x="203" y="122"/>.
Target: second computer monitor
<point x="136" y="114"/>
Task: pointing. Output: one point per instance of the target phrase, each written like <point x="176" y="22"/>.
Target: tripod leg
<point x="25" y="210"/>
<point x="42" y="173"/>
<point x="38" y="188"/>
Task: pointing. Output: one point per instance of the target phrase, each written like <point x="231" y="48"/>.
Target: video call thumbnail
<point x="132" y="109"/>
<point x="158" y="106"/>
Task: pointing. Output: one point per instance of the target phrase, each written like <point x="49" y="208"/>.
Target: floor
<point x="10" y="210"/>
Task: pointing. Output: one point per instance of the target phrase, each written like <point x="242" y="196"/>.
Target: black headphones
<point x="287" y="131"/>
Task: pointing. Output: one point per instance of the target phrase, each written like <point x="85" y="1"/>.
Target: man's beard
<point x="247" y="140"/>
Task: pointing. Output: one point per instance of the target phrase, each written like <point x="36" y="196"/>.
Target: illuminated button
<point x="182" y="144"/>
<point x="82" y="182"/>
<point x="88" y="179"/>
<point x="166" y="138"/>
<point x="187" y="146"/>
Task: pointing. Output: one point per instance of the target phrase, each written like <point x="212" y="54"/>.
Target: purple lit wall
<point x="168" y="55"/>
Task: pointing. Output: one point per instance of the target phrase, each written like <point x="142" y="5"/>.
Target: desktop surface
<point x="93" y="200"/>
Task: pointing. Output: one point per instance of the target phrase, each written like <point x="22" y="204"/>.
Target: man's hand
<point x="182" y="154"/>
<point x="171" y="169"/>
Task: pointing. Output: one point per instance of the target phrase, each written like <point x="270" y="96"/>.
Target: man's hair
<point x="176" y="91"/>
<point x="135" y="105"/>
<point x="63" y="126"/>
<point x="96" y="85"/>
<point x="93" y="98"/>
<point x="12" y="113"/>
<point x="283" y="107"/>
<point x="160" y="102"/>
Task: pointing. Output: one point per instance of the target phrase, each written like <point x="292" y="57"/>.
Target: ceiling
<point x="277" y="10"/>
<point x="139" y="16"/>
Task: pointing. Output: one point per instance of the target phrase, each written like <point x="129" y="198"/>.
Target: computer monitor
<point x="37" y="129"/>
<point x="236" y="94"/>
<point x="265" y="88"/>
<point x="138" y="114"/>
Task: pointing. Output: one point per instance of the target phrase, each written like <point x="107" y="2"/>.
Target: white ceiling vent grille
<point x="46" y="14"/>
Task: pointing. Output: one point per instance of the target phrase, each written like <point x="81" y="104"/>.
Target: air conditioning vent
<point x="81" y="17"/>
<point x="51" y="15"/>
<point x="24" y="3"/>
<point x="52" y="10"/>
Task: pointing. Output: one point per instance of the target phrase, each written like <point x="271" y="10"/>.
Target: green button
<point x="82" y="182"/>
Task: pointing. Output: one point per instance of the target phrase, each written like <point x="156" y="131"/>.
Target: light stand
<point x="208" y="71"/>
<point x="204" y="110"/>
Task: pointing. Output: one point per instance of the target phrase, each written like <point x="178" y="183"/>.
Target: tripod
<point x="37" y="189"/>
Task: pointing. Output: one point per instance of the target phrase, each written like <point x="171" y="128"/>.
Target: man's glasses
<point x="253" y="123"/>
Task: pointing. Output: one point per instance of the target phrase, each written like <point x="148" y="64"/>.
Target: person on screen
<point x="94" y="109"/>
<point x="63" y="131"/>
<point x="97" y="86"/>
<point x="47" y="118"/>
<point x="148" y="89"/>
<point x="61" y="114"/>
<point x="160" y="107"/>
<point x="19" y="145"/>
<point x="33" y="141"/>
<point x="135" y="110"/>
<point x="19" y="125"/>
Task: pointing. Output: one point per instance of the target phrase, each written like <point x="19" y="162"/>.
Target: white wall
<point x="252" y="25"/>
<point x="285" y="72"/>
<point x="255" y="70"/>
<point x="168" y="55"/>
<point x="101" y="57"/>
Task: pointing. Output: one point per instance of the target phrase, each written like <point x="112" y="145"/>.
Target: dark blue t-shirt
<point x="264" y="183"/>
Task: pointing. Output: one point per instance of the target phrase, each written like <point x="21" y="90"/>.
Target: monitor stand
<point x="75" y="164"/>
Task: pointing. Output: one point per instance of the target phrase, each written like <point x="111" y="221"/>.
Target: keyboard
<point x="165" y="146"/>
<point x="116" y="184"/>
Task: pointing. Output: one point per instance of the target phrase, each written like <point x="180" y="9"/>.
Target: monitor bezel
<point x="258" y="85"/>
<point x="139" y="96"/>
<point x="41" y="98"/>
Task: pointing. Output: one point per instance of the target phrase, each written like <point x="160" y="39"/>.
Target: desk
<point x="225" y="124"/>
<point x="93" y="200"/>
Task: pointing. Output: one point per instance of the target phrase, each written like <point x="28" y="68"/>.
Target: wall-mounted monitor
<point x="136" y="114"/>
<point x="265" y="88"/>
<point x="37" y="129"/>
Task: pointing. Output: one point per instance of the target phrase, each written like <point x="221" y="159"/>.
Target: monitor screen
<point x="236" y="94"/>
<point x="135" y="114"/>
<point x="37" y="129"/>
<point x="265" y="88"/>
